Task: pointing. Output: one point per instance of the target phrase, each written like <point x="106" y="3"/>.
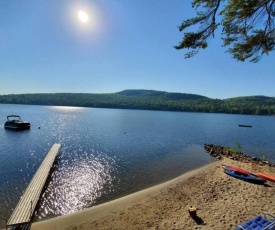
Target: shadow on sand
<point x="198" y="220"/>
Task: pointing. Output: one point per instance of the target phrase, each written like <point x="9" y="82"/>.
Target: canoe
<point x="249" y="177"/>
<point x="267" y="176"/>
<point x="235" y="169"/>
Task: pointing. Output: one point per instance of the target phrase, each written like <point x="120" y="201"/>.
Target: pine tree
<point x="247" y="27"/>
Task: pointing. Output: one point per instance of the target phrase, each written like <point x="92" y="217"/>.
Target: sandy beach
<point x="222" y="202"/>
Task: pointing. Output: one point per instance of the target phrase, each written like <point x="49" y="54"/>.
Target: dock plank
<point x="25" y="207"/>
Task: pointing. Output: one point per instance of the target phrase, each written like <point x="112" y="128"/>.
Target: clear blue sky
<point x="45" y="48"/>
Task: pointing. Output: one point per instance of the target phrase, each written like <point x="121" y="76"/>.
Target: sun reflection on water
<point x="76" y="184"/>
<point x="66" y="108"/>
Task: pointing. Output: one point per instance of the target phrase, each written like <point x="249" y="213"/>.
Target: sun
<point x="83" y="16"/>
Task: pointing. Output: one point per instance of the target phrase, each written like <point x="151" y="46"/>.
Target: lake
<point x="109" y="153"/>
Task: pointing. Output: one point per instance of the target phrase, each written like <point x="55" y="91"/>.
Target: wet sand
<point x="222" y="202"/>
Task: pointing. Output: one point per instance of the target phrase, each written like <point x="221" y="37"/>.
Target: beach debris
<point x="192" y="211"/>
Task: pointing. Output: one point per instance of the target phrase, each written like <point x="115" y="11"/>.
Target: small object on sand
<point x="192" y="211"/>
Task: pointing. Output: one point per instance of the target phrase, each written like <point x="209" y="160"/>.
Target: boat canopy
<point x="14" y="116"/>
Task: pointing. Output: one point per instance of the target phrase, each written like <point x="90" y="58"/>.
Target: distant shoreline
<point x="149" y="100"/>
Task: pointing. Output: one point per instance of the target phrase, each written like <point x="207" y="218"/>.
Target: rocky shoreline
<point x="219" y="152"/>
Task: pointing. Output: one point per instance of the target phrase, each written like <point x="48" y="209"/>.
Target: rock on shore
<point x="219" y="152"/>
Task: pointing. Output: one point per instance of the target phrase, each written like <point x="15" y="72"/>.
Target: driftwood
<point x="219" y="152"/>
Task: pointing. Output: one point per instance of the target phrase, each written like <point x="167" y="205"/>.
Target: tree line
<point x="149" y="100"/>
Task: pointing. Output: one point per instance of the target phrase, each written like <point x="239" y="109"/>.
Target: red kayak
<point x="267" y="176"/>
<point x="237" y="169"/>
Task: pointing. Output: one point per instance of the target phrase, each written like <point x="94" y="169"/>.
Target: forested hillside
<point x="150" y="100"/>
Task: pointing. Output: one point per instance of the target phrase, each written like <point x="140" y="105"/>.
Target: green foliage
<point x="247" y="27"/>
<point x="150" y="100"/>
<point x="238" y="146"/>
<point x="233" y="152"/>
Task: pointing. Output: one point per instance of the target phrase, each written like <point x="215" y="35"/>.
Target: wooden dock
<point x="23" y="212"/>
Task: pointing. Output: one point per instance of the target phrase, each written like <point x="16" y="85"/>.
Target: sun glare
<point x="83" y="16"/>
<point x="85" y="21"/>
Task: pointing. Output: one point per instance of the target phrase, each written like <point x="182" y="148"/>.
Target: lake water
<point x="109" y="153"/>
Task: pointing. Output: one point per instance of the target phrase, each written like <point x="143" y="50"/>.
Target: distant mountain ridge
<point x="154" y="93"/>
<point x="149" y="100"/>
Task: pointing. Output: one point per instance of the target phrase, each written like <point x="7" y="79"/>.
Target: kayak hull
<point x="249" y="177"/>
<point x="235" y="169"/>
<point x="267" y="176"/>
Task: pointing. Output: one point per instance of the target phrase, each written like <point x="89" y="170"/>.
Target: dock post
<point x="6" y="218"/>
<point x="31" y="210"/>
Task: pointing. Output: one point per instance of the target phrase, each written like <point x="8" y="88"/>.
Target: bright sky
<point x="108" y="46"/>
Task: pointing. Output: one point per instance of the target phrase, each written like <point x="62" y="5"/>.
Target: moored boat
<point x="246" y="126"/>
<point x="249" y="177"/>
<point x="267" y="176"/>
<point x="14" y="122"/>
